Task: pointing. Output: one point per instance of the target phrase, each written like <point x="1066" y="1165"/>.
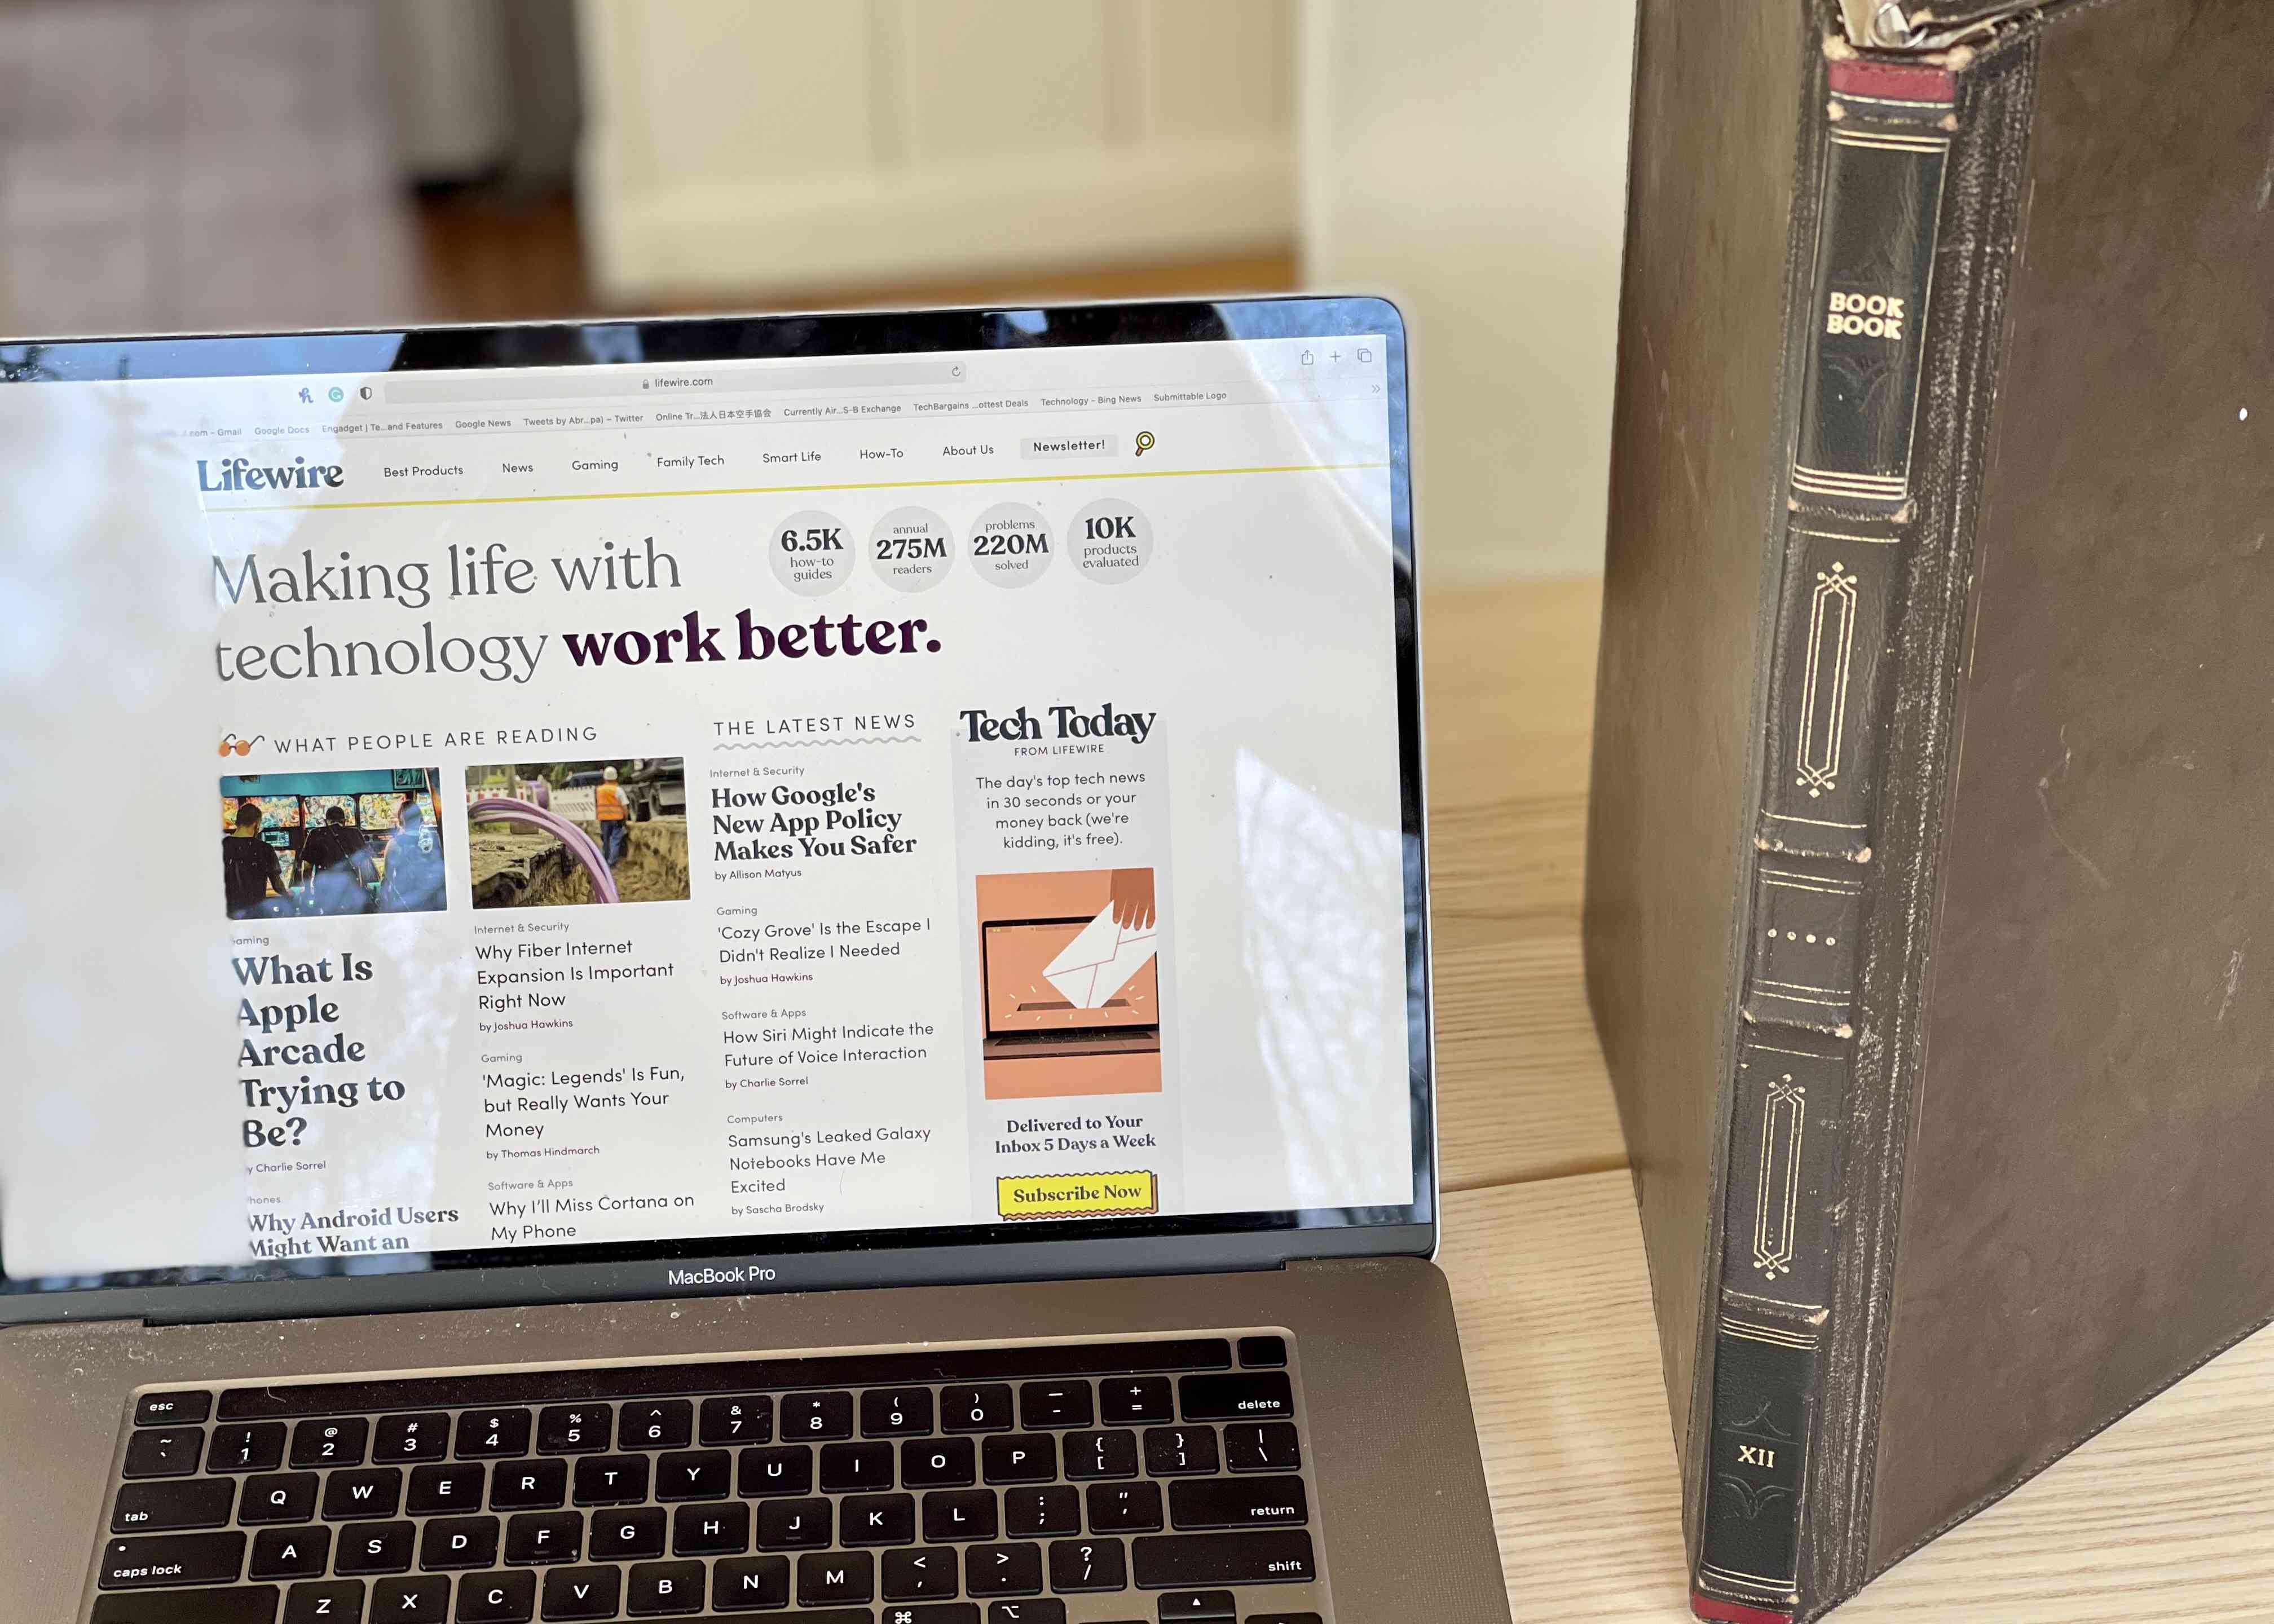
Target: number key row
<point x="670" y="1423"/>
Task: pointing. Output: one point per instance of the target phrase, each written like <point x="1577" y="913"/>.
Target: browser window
<point x="521" y="809"/>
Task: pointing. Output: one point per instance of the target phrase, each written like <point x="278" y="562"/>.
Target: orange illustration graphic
<point x="1069" y="983"/>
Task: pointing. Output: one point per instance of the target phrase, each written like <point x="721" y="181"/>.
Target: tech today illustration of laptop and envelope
<point x="752" y="966"/>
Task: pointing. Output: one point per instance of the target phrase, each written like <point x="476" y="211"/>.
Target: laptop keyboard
<point x="1053" y="1483"/>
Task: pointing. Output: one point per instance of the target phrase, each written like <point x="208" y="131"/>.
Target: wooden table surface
<point x="2168" y="1515"/>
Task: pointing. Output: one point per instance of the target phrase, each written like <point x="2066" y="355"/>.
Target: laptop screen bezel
<point x="827" y="1260"/>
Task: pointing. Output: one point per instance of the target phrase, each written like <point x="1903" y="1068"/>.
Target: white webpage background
<point x="1260" y="633"/>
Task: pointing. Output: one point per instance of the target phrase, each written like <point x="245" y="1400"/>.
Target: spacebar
<point x="1275" y="1556"/>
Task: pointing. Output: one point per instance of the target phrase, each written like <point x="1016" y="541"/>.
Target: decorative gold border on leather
<point x="1791" y="881"/>
<point x="1776" y="1206"/>
<point x="1746" y="1582"/>
<point x="1823" y="729"/>
<point x="1776" y="1336"/>
<point x="1898" y="142"/>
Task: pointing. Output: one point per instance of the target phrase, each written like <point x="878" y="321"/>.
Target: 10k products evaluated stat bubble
<point x="1109" y="541"/>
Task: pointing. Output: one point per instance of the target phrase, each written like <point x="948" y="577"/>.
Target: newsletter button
<point x="1049" y="446"/>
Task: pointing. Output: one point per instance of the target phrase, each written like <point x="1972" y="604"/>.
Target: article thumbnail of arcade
<point x="297" y="845"/>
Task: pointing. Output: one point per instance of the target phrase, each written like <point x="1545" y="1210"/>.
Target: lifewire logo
<point x="242" y="474"/>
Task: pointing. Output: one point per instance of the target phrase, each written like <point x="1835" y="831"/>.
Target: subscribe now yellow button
<point x="1076" y="1195"/>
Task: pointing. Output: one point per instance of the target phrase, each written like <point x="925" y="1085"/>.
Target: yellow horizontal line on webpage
<point x="779" y="490"/>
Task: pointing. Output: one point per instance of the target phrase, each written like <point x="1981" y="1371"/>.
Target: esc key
<point x="186" y="1408"/>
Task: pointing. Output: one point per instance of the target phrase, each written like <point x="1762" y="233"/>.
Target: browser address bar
<point x="545" y="384"/>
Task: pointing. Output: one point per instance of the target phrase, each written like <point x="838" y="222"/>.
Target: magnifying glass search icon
<point x="1144" y="442"/>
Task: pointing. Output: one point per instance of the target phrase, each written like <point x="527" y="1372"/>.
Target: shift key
<point x="255" y="1603"/>
<point x="1274" y="1556"/>
<point x="171" y="1558"/>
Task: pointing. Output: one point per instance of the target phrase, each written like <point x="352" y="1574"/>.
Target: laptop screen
<point x="688" y="796"/>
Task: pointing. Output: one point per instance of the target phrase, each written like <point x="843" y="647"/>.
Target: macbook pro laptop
<point x="766" y="967"/>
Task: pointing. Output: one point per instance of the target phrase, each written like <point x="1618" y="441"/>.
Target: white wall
<point x="763" y="148"/>
<point x="1468" y="159"/>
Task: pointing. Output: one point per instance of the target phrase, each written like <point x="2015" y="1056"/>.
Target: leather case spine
<point x="1917" y="188"/>
<point x="1849" y="538"/>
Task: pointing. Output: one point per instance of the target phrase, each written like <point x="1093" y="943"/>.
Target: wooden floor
<point x="166" y="168"/>
<point x="489" y="259"/>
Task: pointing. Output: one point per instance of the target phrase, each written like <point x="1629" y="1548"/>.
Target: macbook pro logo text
<point x="736" y="1274"/>
<point x="238" y="473"/>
